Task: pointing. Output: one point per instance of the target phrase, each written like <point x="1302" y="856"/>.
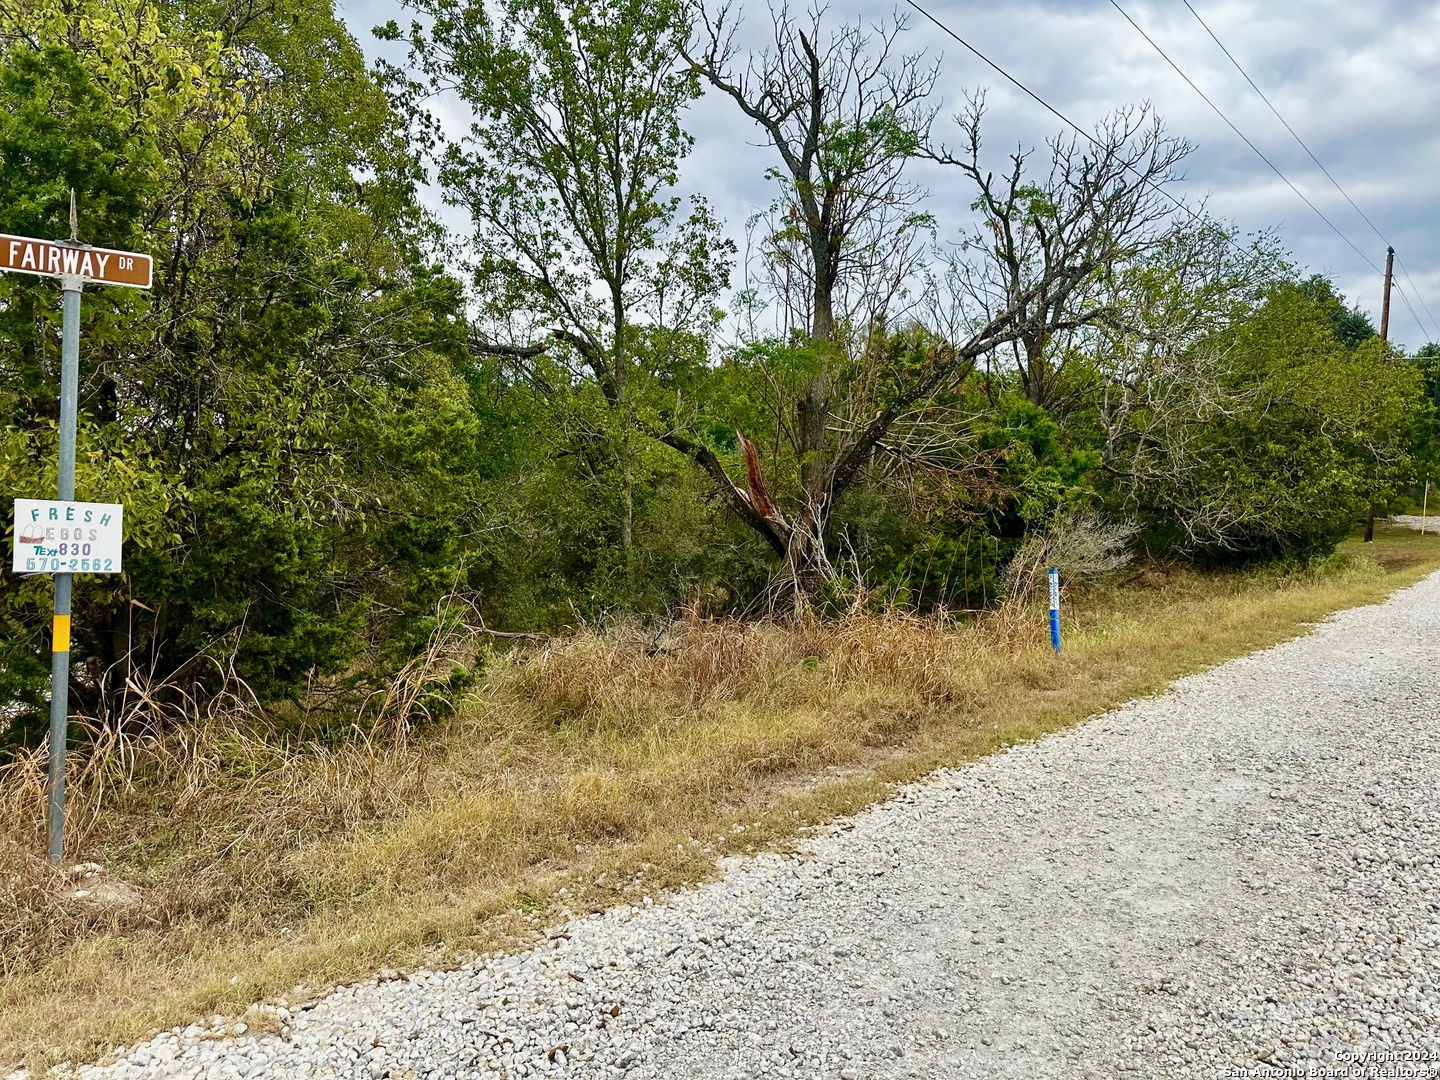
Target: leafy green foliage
<point x="945" y="545"/>
<point x="1350" y="325"/>
<point x="1281" y="448"/>
<point x="283" y="395"/>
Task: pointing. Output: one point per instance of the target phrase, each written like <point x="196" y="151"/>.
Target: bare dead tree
<point x="845" y="111"/>
<point x="844" y="114"/>
<point x="1051" y="251"/>
<point x="844" y="119"/>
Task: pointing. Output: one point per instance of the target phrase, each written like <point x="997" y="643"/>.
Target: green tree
<point x="581" y="250"/>
<point x="281" y="414"/>
<point x="1350" y="325"/>
<point x="1269" y="436"/>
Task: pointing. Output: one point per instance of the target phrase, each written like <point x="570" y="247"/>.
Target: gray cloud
<point x="1359" y="82"/>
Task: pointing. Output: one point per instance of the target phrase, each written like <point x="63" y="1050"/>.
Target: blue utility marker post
<point x="1055" y="610"/>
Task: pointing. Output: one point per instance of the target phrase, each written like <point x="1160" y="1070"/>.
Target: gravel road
<point x="1241" y="872"/>
<point x="1418" y="522"/>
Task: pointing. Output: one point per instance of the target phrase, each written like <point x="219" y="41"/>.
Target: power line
<point x="1318" y="164"/>
<point x="1261" y="155"/>
<point x="1064" y="119"/>
<point x="1423" y="306"/>
<point x="1153" y="186"/>
<point x="1282" y="119"/>
<point x="1245" y="139"/>
<point x="1408" y="306"/>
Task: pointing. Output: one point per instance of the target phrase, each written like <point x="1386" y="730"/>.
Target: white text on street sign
<point x="102" y="266"/>
<point x="67" y="537"/>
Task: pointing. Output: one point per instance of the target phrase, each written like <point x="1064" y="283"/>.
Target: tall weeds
<point x="205" y="807"/>
<point x="613" y="679"/>
<point x="232" y="807"/>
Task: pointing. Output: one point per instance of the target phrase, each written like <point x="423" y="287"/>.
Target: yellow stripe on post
<point x="61" y="635"/>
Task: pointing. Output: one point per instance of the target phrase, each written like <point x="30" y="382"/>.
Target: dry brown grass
<point x="575" y="774"/>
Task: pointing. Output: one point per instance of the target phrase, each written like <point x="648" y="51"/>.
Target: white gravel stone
<point x="1427" y="523"/>
<point x="1242" y="871"/>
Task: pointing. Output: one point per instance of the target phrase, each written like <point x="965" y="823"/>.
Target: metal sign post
<point x="61" y="540"/>
<point x="60" y="625"/>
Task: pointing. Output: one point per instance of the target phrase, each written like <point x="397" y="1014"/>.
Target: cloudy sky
<point x="1359" y="82"/>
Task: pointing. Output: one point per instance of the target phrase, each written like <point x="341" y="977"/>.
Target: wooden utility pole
<point x="1385" y="307"/>
<point x="1384" y="337"/>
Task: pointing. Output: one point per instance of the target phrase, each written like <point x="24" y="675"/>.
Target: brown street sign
<point x="49" y="258"/>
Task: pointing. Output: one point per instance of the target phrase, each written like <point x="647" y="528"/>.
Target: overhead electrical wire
<point x="1416" y="290"/>
<point x="1408" y="306"/>
<point x="1061" y="116"/>
<point x="1243" y="137"/>
<point x="1282" y="119"/>
<point x="1318" y="164"/>
<point x="1261" y="155"/>
<point x="1155" y="187"/>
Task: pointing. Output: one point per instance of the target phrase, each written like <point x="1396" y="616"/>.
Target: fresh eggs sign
<point x="67" y="537"/>
<point x="102" y="266"/>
